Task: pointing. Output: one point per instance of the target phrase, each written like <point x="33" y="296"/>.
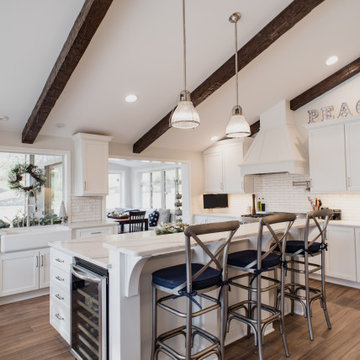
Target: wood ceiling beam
<point x="84" y="28"/>
<point x="283" y="22"/>
<point x="325" y="85"/>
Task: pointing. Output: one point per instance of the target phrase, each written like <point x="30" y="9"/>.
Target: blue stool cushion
<point x="153" y="218"/>
<point x="244" y="258"/>
<point x="173" y="276"/>
<point x="293" y="246"/>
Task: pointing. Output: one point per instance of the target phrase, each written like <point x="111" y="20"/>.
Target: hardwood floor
<point x="25" y="333"/>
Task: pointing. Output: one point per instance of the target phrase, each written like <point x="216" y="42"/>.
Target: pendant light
<point x="185" y="115"/>
<point x="237" y="126"/>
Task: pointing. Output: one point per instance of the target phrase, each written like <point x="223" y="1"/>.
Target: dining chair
<point x="137" y="222"/>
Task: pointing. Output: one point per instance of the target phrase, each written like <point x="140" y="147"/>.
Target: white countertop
<point x="354" y="223"/>
<point x="90" y="224"/>
<point x="90" y="249"/>
<point x="148" y="244"/>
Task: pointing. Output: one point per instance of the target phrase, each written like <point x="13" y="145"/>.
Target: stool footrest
<point x="160" y="303"/>
<point x="275" y="285"/>
<point x="209" y="350"/>
<point x="245" y="304"/>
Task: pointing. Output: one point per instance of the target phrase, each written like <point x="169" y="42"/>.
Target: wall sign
<point x="326" y="112"/>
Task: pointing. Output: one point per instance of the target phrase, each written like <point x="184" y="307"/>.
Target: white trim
<point x="23" y="296"/>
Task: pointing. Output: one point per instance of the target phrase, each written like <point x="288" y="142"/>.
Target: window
<point x="159" y="187"/>
<point x="114" y="198"/>
<point x="48" y="201"/>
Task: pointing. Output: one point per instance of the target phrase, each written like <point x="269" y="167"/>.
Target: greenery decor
<point x="170" y="228"/>
<point x="4" y="224"/>
<point x="16" y="176"/>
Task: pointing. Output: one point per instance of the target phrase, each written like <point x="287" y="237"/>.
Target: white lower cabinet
<point x="95" y="231"/>
<point x="341" y="254"/>
<point x="357" y="242"/>
<point x="24" y="271"/>
<point x="60" y="292"/>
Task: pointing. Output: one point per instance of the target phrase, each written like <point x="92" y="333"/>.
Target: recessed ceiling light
<point x="131" y="98"/>
<point x="332" y="60"/>
<point x="4" y="118"/>
<point x="214" y="138"/>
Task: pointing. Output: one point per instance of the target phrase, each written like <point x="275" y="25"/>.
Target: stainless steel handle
<point x="42" y="260"/>
<point x="37" y="261"/>
<point x="84" y="185"/>
<point x="81" y="274"/>
<point x="57" y="277"/>
<point x="59" y="297"/>
<point x="59" y="316"/>
<point x="60" y="260"/>
<point x="96" y="232"/>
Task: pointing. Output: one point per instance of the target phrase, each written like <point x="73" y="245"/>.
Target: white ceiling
<point x="138" y="49"/>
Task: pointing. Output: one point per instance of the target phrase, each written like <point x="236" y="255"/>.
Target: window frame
<point x="162" y="183"/>
<point x="66" y="167"/>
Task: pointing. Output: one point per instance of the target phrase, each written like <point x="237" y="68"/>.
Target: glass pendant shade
<point x="237" y="126"/>
<point x="185" y="115"/>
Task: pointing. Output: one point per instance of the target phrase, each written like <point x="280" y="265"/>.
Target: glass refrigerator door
<point x="88" y="315"/>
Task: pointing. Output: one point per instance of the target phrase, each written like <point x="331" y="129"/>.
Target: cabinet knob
<point x="59" y="260"/>
<point x="57" y="277"/>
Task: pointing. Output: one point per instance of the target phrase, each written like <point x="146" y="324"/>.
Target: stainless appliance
<point x="89" y="297"/>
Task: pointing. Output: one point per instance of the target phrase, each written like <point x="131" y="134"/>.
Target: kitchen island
<point x="131" y="258"/>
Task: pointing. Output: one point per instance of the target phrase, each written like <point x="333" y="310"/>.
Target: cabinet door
<point x="44" y="268"/>
<point x="341" y="256"/>
<point x="327" y="159"/>
<point x="232" y="156"/>
<point x="352" y="155"/>
<point x="357" y="239"/>
<point x="19" y="272"/>
<point x="213" y="172"/>
<point x="96" y="231"/>
<point x="95" y="167"/>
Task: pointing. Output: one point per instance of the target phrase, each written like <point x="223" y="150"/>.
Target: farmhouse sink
<point x="34" y="237"/>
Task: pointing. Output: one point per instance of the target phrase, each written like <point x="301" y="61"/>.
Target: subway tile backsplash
<point x="86" y="208"/>
<point x="279" y="194"/>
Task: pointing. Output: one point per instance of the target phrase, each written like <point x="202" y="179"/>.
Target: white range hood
<point x="278" y="146"/>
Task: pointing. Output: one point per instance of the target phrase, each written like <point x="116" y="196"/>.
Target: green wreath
<point x="16" y="176"/>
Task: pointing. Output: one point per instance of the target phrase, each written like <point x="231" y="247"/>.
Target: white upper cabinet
<point x="221" y="167"/>
<point x="327" y="159"/>
<point x="352" y="131"/>
<point x="333" y="152"/>
<point x="91" y="164"/>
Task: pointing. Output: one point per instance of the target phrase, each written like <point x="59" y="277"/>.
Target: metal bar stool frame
<point x="219" y="258"/>
<point x="311" y="294"/>
<point x="253" y="271"/>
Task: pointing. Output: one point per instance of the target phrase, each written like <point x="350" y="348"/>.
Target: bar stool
<point x="299" y="251"/>
<point x="194" y="280"/>
<point x="254" y="263"/>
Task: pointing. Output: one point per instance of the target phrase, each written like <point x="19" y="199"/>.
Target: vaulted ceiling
<point x="138" y="49"/>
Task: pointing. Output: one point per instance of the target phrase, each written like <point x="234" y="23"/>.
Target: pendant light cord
<point x="236" y="66"/>
<point x="184" y="41"/>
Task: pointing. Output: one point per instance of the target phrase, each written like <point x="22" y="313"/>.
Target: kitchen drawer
<point x="60" y="293"/>
<point x="96" y="231"/>
<point x="60" y="278"/>
<point x="60" y="260"/>
<point x="60" y="318"/>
